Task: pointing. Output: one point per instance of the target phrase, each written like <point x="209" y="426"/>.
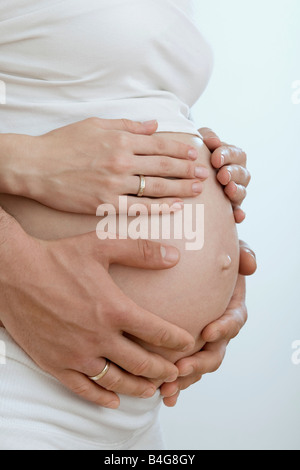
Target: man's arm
<point x="70" y="335"/>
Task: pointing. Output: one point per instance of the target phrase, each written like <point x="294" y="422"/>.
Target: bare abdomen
<point x="195" y="292"/>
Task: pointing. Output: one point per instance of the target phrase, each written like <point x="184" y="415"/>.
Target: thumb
<point x="210" y="139"/>
<point x="143" y="254"/>
<point x="134" y="127"/>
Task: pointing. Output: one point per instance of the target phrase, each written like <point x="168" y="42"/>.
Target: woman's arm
<point x="78" y="167"/>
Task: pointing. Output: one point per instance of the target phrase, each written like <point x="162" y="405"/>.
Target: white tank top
<point x="66" y="60"/>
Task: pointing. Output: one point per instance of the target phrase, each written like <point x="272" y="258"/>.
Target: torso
<point x="137" y="59"/>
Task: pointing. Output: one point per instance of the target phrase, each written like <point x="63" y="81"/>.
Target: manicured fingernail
<point x="169" y="254"/>
<point x="148" y="393"/>
<point x="201" y="172"/>
<point x="177" y="206"/>
<point x="193" y="154"/>
<point x="229" y="176"/>
<point x="197" y="188"/>
<point x="186" y="372"/>
<point x="150" y="123"/>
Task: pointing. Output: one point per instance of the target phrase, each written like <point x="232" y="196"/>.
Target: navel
<point x="226" y="262"/>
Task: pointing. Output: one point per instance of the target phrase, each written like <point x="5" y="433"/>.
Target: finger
<point x="186" y="382"/>
<point x="207" y="361"/>
<point x="88" y="390"/>
<point x="227" y="155"/>
<point x="210" y="139"/>
<point x="168" y="390"/>
<point x="158" y="206"/>
<point x="239" y="215"/>
<point x="154" y="330"/>
<point x="162" y="188"/>
<point x="171" y="401"/>
<point x="236" y="193"/>
<point x="156" y="145"/>
<point x="248" y="263"/>
<point x="236" y="173"/>
<point x="227" y="327"/>
<point x="134" y="127"/>
<point x="119" y="381"/>
<point x="143" y="254"/>
<point x="138" y="361"/>
<point x="169" y="168"/>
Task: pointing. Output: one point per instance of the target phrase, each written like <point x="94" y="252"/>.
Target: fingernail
<point x="173" y="394"/>
<point x="149" y="123"/>
<point x="171" y="379"/>
<point x="222" y="159"/>
<point x="186" y="372"/>
<point x="250" y="253"/>
<point x="201" y="172"/>
<point x="193" y="154"/>
<point x="169" y="254"/>
<point x="113" y="405"/>
<point x="148" y="393"/>
<point x="177" y="206"/>
<point x="197" y="188"/>
<point x="229" y="177"/>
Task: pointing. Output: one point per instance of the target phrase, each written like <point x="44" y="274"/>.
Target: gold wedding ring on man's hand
<point x="142" y="186"/>
<point x="102" y="374"/>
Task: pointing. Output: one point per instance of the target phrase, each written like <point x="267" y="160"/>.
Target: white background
<point x="253" y="402"/>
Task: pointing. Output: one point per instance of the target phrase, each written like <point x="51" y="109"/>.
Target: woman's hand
<point x="78" y="167"/>
<point x="230" y="161"/>
<point x="217" y="335"/>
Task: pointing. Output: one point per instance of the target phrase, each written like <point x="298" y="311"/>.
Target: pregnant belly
<point x="195" y="292"/>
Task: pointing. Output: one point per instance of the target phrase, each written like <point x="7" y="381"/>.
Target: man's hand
<point x="230" y="161"/>
<point x="62" y="308"/>
<point x="217" y="335"/>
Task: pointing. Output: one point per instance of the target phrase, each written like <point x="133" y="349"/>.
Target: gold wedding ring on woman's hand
<point x="142" y="186"/>
<point x="102" y="373"/>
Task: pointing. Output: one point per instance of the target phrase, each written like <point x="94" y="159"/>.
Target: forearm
<point x="15" y="149"/>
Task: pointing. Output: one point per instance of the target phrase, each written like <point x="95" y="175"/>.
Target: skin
<point x="99" y="387"/>
<point x="218" y="334"/>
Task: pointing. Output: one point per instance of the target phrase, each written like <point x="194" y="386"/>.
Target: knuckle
<point x="113" y="384"/>
<point x="245" y="157"/>
<point x="217" y="364"/>
<point x="127" y="125"/>
<point x="122" y="140"/>
<point x="162" y="337"/>
<point x="249" y="177"/>
<point x="141" y="368"/>
<point x="146" y="250"/>
<point x="189" y="171"/>
<point x="165" y="167"/>
<point x="82" y="389"/>
<point x="160" y="145"/>
<point x="93" y="121"/>
<point x="158" y="187"/>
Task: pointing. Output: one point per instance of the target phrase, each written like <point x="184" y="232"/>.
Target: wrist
<point x="15" y="169"/>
